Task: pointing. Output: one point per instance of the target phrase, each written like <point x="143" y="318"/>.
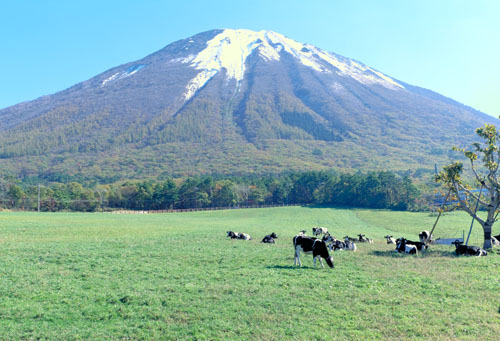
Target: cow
<point x="420" y="246"/>
<point x="461" y="249"/>
<point x="244" y="236"/>
<point x="318" y="231"/>
<point x="497" y="237"/>
<point x="402" y="246"/>
<point x="363" y="239"/>
<point x="350" y="246"/>
<point x="270" y="238"/>
<point x="350" y="239"/>
<point x="337" y="245"/>
<point x="494" y="241"/>
<point x="302" y="232"/>
<point x="311" y="245"/>
<point x="233" y="235"/>
<point x="327" y="238"/>
<point x="425" y="237"/>
<point x="390" y="239"/>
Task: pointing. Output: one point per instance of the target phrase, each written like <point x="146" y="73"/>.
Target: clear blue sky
<point x="449" y="46"/>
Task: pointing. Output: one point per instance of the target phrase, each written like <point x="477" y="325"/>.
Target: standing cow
<point x="315" y="246"/>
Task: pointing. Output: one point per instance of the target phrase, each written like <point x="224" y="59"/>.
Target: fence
<point x="199" y="209"/>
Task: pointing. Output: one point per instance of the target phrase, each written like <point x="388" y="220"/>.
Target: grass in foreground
<point x="82" y="276"/>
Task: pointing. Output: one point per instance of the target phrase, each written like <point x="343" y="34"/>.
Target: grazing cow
<point x="390" y="239"/>
<point x="311" y="245"/>
<point x="318" y="231"/>
<point x="420" y="246"/>
<point x="350" y="239"/>
<point x="402" y="246"/>
<point x="363" y="239"/>
<point x="425" y="237"/>
<point x="270" y="238"/>
<point x="461" y="249"/>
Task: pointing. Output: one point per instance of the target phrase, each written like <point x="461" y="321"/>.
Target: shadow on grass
<point x="428" y="253"/>
<point x="293" y="267"/>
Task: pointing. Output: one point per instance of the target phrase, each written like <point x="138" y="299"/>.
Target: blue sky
<point x="449" y="46"/>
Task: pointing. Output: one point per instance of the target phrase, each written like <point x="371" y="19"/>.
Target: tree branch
<point x="473" y="195"/>
<point x="466" y="208"/>
<point x="478" y="178"/>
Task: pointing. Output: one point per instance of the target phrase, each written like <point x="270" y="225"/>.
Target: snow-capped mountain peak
<point x="230" y="49"/>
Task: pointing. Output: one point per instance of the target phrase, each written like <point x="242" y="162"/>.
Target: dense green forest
<point x="382" y="189"/>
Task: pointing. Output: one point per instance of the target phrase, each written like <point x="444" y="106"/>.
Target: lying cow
<point x="350" y="246"/>
<point x="318" y="231"/>
<point x="233" y="235"/>
<point x="237" y="235"/>
<point x="420" y="246"/>
<point x="350" y="239"/>
<point x="425" y="237"/>
<point x="390" y="239"/>
<point x="461" y="249"/>
<point x="245" y="236"/>
<point x="311" y="245"/>
<point x="270" y="238"/>
<point x="403" y="247"/>
<point x="494" y="241"/>
<point x="363" y="239"/>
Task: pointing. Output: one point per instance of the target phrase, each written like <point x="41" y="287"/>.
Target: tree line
<point x="383" y="189"/>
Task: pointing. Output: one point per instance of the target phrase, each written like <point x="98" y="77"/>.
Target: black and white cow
<point x="420" y="246"/>
<point x="350" y="246"/>
<point x="337" y="245"/>
<point x="363" y="239"/>
<point x="318" y="231"/>
<point x="495" y="241"/>
<point x="270" y="238"/>
<point x="311" y="245"/>
<point x="497" y="237"/>
<point x="244" y="236"/>
<point x="403" y="247"/>
<point x="390" y="239"/>
<point x="233" y="235"/>
<point x="302" y="232"/>
<point x="350" y="239"/>
<point x="425" y="236"/>
<point x="461" y="249"/>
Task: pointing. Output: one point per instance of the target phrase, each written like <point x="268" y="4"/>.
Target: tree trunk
<point x="487" y="235"/>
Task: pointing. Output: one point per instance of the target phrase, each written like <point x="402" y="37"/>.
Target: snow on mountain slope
<point x="230" y="49"/>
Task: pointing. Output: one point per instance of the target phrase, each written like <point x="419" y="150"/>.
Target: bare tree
<point x="486" y="177"/>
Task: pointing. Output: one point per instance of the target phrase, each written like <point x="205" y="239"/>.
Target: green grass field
<point x="176" y="276"/>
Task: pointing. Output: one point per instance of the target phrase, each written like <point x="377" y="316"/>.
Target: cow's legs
<point x="314" y="261"/>
<point x="321" y="262"/>
<point x="297" y="256"/>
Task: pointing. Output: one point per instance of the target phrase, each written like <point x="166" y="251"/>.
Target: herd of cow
<point x="324" y="241"/>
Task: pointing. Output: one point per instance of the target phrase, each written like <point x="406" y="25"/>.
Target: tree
<point x="16" y="194"/>
<point x="489" y="152"/>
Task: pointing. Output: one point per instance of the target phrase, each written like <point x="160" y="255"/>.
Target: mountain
<point x="232" y="101"/>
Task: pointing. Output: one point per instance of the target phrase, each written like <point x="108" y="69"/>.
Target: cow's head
<point x="328" y="238"/>
<point x="273" y="235"/>
<point x="329" y="261"/>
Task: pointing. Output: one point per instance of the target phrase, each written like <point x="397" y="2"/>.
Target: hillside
<point x="232" y="102"/>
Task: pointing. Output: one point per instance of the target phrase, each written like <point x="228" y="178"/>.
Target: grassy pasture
<point x="176" y="276"/>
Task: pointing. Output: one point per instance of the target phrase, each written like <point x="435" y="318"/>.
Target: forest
<point x="382" y="189"/>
